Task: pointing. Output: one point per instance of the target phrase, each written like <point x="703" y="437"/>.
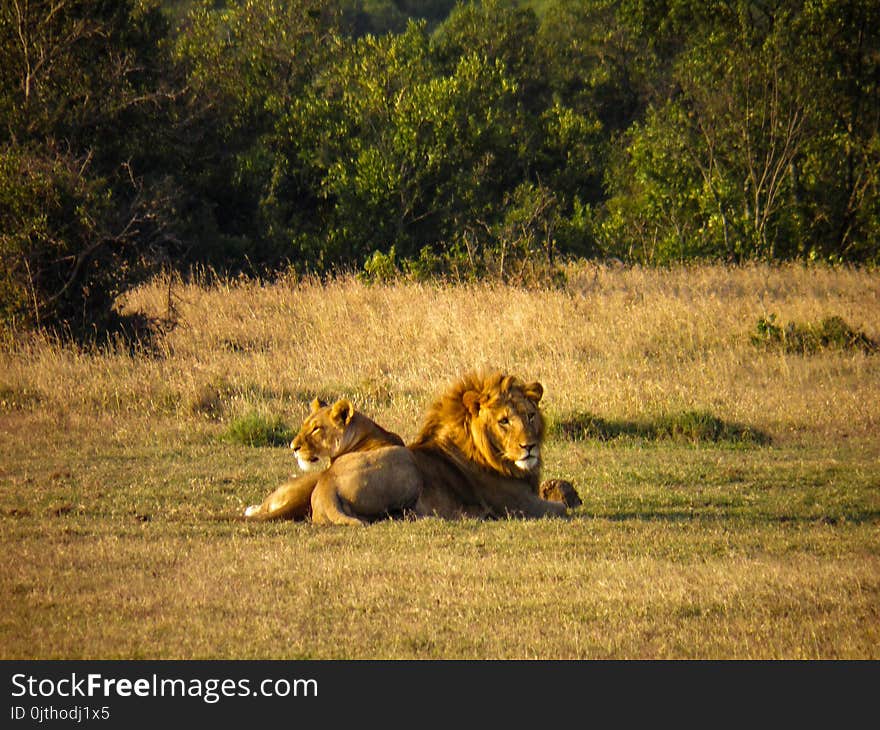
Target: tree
<point x="403" y="154"/>
<point x="82" y="211"/>
<point x="246" y="64"/>
<point x="748" y="103"/>
<point x="836" y="182"/>
<point x="746" y="158"/>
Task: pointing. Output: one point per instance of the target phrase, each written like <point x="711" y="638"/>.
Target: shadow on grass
<point x="808" y="338"/>
<point x="691" y="426"/>
<point x="858" y="517"/>
<point x="135" y="333"/>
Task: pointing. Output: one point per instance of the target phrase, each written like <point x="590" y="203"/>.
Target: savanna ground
<point x="731" y="491"/>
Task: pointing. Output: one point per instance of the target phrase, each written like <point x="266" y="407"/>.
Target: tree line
<point x="493" y="138"/>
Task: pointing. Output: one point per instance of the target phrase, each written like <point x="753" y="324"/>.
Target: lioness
<point x="331" y="431"/>
<point x="370" y="474"/>
<point x="362" y="486"/>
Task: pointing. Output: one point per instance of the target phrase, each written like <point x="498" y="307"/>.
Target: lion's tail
<point x="291" y="501"/>
<point x="256" y="513"/>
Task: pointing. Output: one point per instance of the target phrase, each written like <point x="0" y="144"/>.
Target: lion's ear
<point x="342" y="412"/>
<point x="534" y="391"/>
<point x="317" y="405"/>
<point x="471" y="401"/>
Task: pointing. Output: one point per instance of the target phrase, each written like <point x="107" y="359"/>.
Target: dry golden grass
<point x="581" y="589"/>
<point x="621" y="342"/>
<point x="114" y="470"/>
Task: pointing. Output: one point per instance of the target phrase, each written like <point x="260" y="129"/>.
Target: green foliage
<point x="655" y="212"/>
<point x="748" y="159"/>
<point x="252" y="201"/>
<point x="379" y="267"/>
<point x="257" y="429"/>
<point x="378" y="17"/>
<point x="410" y="140"/>
<point x="454" y="263"/>
<point x="831" y="333"/>
<point x="50" y="218"/>
<point x="491" y="138"/>
<point x="85" y="205"/>
<point x="693" y="426"/>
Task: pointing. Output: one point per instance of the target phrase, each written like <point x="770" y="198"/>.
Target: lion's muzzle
<point x="530" y="459"/>
<point x="309" y="464"/>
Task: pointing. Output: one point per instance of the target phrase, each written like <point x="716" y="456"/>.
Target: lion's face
<point x="507" y="427"/>
<point x="321" y="433"/>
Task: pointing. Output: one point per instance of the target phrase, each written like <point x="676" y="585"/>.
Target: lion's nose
<point x="528" y="447"/>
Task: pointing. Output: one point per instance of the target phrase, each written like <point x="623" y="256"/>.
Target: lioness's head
<point x="505" y="424"/>
<point x="321" y="433"/>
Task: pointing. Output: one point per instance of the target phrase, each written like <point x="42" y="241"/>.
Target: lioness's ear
<point x="471" y="401"/>
<point x="342" y="412"/>
<point x="317" y="405"/>
<point x="534" y="391"/>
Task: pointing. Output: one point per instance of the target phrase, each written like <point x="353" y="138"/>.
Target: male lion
<point x="371" y="474"/>
<point x="479" y="451"/>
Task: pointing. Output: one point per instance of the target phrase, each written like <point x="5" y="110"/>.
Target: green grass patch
<point x="257" y="429"/>
<point x="831" y="333"/>
<point x="694" y="426"/>
<point x="119" y="546"/>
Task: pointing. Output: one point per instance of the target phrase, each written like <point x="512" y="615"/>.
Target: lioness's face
<point x="320" y="435"/>
<point x="512" y="426"/>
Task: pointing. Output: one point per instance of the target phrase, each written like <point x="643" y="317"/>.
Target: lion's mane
<point x="465" y="469"/>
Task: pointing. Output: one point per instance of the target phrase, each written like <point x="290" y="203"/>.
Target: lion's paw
<point x="559" y="490"/>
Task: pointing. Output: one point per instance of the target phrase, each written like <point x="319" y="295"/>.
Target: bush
<point x="379" y="268"/>
<point x="694" y="426"/>
<point x="85" y="198"/>
<point x="831" y="333"/>
<point x="70" y="244"/>
<point x="257" y="429"/>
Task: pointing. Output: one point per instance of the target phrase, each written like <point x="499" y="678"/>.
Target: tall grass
<point x="619" y="343"/>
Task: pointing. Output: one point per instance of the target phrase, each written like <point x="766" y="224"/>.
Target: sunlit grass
<point x="731" y="493"/>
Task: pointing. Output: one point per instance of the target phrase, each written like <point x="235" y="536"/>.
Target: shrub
<point x="257" y="429"/>
<point x="70" y="245"/>
<point x="695" y="426"/>
<point x="379" y="268"/>
<point x="831" y="333"/>
<point x="86" y="198"/>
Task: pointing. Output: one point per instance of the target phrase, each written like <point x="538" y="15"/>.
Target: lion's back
<point x="377" y="480"/>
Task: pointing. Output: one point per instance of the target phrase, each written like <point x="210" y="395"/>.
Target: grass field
<point x="731" y="489"/>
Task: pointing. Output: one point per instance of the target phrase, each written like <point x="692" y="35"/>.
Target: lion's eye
<point x="504" y="421"/>
<point x="317" y="429"/>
